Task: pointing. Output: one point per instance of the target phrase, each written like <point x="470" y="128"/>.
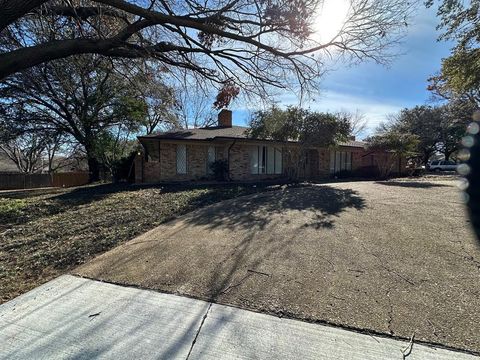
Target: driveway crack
<point x="390" y="314"/>
<point x="198" y="331"/>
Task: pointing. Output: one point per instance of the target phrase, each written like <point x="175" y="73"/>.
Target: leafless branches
<point x="251" y="43"/>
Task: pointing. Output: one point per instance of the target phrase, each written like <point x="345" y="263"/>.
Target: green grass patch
<point x="10" y="209"/>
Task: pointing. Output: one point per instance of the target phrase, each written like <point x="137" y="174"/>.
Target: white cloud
<point x="375" y="111"/>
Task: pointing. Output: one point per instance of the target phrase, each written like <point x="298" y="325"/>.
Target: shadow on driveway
<point x="412" y="184"/>
<point x="255" y="212"/>
<point x="351" y="254"/>
<point x="214" y="250"/>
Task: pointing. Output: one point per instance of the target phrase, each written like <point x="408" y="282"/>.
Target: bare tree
<point x="251" y="44"/>
<point x="194" y="103"/>
<point x="159" y="99"/>
<point x="62" y="153"/>
<point x="27" y="151"/>
<point x="357" y="121"/>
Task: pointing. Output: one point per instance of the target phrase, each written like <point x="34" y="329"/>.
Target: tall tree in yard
<point x="459" y="79"/>
<point x="423" y="121"/>
<point x="395" y="145"/>
<point x="307" y="128"/>
<point x="456" y="115"/>
<point x="459" y="76"/>
<point x="80" y="98"/>
<point x="245" y="44"/>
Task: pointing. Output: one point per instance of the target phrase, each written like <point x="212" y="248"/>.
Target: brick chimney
<point x="225" y="118"/>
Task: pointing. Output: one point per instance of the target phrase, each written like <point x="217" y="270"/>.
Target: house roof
<point x="220" y="132"/>
<point x="208" y="133"/>
<point x="353" y="143"/>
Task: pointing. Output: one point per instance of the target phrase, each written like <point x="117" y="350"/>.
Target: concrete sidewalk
<point x="76" y="318"/>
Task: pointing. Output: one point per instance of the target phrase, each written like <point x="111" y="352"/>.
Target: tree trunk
<point x="90" y="149"/>
<point x="93" y="168"/>
<point x="425" y="158"/>
<point x="447" y="154"/>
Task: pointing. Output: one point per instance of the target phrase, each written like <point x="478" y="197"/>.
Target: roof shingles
<point x="211" y="133"/>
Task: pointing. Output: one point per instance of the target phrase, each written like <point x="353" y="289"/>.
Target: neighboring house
<point x="186" y="155"/>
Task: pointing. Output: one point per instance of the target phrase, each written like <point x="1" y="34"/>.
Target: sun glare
<point x="331" y="16"/>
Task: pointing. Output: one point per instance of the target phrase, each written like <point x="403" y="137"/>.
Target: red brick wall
<point x="196" y="162"/>
<point x="166" y="168"/>
<point x="240" y="162"/>
<point x="324" y="156"/>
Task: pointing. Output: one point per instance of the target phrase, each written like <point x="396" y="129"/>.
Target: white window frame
<point x="266" y="160"/>
<point x="340" y="161"/>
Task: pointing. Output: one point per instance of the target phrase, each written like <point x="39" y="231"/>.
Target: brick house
<point x="186" y="154"/>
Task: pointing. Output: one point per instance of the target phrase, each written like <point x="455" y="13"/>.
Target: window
<point x="181" y="159"/>
<point x="210" y="158"/>
<point x="254" y="160"/>
<point x="265" y="160"/>
<point x="278" y="161"/>
<point x="270" y="160"/>
<point x="348" y="160"/>
<point x="340" y="161"/>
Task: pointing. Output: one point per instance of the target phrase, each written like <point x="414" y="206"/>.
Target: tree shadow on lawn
<point x="412" y="184"/>
<point x="88" y="194"/>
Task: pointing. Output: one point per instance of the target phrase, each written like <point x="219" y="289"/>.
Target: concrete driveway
<point x="394" y="257"/>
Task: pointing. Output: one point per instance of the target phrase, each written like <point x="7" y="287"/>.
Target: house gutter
<point x="228" y="158"/>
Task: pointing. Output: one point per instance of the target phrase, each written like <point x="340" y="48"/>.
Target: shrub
<point x="343" y="174"/>
<point x="122" y="168"/>
<point x="369" y="172"/>
<point x="220" y="169"/>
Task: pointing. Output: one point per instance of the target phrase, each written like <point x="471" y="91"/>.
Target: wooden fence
<point x="70" y="179"/>
<point x="11" y="181"/>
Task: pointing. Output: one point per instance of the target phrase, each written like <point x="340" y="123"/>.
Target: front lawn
<point x="46" y="233"/>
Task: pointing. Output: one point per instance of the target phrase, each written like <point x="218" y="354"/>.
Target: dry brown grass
<point x="46" y="233"/>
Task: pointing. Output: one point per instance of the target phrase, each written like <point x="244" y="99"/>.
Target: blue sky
<point x="375" y="90"/>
